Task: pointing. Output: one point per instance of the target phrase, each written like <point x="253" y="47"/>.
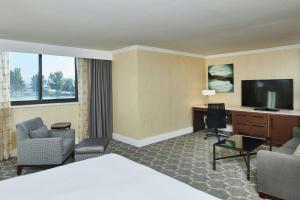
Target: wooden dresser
<point x="277" y="125"/>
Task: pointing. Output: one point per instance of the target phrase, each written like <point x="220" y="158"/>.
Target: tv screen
<point x="275" y="93"/>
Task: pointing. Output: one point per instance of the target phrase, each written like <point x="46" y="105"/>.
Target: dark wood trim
<point x="266" y="196"/>
<point x="20" y="167"/>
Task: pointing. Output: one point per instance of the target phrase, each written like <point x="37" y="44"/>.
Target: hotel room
<point x="160" y="100"/>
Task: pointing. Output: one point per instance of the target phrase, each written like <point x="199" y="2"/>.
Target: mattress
<point x="108" y="177"/>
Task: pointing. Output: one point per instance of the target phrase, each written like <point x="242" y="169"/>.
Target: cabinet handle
<point x="255" y="116"/>
<point x="260" y="126"/>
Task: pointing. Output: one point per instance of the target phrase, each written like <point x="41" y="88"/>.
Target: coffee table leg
<point x="248" y="166"/>
<point x="214" y="157"/>
<point x="270" y="143"/>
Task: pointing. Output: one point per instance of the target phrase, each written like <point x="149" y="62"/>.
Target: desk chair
<point x="215" y="118"/>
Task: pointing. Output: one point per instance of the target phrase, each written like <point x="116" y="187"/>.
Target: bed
<point x="109" y="177"/>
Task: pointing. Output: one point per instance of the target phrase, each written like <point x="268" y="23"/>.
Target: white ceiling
<point x="197" y="26"/>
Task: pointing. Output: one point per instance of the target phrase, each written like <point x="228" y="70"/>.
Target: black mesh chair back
<point x="216" y="116"/>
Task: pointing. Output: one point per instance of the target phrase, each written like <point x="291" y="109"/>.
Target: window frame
<point x="40" y="92"/>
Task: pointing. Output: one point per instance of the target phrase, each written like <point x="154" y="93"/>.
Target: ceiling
<point x="204" y="27"/>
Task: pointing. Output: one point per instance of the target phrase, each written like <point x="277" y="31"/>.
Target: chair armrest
<point x="40" y="151"/>
<point x="296" y="132"/>
<point x="63" y="133"/>
<point x="278" y="174"/>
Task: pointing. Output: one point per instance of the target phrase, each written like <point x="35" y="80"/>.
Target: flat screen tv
<point x="268" y="94"/>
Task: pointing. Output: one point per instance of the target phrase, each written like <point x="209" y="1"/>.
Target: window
<point x="59" y="77"/>
<point x="37" y="78"/>
<point x="24" y="69"/>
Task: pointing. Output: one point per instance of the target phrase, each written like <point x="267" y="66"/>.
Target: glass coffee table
<point x="243" y="144"/>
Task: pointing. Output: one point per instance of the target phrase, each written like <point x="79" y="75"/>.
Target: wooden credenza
<point x="277" y="125"/>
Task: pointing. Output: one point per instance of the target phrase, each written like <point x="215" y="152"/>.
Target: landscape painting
<point x="220" y="78"/>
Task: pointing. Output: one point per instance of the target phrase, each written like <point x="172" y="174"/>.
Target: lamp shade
<point x="208" y="92"/>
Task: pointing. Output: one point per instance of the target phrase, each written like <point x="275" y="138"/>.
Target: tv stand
<point x="267" y="109"/>
<point x="244" y="120"/>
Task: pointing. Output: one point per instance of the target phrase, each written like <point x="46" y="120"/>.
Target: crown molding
<point x="30" y="47"/>
<point x="155" y="49"/>
<point x="239" y="53"/>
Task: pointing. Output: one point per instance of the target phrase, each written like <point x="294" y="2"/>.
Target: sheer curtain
<point x="5" y="112"/>
<point x="83" y="97"/>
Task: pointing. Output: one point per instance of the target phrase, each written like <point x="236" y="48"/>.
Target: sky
<point x="29" y="65"/>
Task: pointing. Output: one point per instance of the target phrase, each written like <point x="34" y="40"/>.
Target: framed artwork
<point x="220" y="78"/>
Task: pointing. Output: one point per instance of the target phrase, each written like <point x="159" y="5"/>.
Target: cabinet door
<point x="281" y="127"/>
<point x="240" y="122"/>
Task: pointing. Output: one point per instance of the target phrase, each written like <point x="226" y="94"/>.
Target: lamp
<point x="208" y="93"/>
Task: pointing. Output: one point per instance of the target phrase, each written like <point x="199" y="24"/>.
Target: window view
<point x="23" y="76"/>
<point x="58" y="77"/>
<point x="38" y="78"/>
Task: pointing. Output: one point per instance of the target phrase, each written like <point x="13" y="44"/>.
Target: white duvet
<point x="109" y="177"/>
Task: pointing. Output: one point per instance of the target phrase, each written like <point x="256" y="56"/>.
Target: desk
<point x="245" y="120"/>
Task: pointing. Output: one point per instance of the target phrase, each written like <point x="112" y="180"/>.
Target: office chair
<point x="216" y="118"/>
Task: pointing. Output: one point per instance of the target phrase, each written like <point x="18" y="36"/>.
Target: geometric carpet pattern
<point x="186" y="158"/>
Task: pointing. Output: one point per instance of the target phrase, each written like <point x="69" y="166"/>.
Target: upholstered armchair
<point x="51" y="149"/>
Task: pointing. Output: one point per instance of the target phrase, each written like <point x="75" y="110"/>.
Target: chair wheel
<point x="205" y="138"/>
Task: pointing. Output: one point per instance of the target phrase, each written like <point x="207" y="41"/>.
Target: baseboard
<point x="151" y="140"/>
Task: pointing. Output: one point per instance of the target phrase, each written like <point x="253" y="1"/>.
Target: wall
<point x="154" y="92"/>
<point x="50" y="113"/>
<point x="125" y="93"/>
<point x="282" y="64"/>
<point x="169" y="86"/>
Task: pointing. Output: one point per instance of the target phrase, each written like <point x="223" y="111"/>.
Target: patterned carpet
<point x="187" y="158"/>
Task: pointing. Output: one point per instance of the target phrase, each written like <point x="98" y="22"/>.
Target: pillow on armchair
<point x="41" y="132"/>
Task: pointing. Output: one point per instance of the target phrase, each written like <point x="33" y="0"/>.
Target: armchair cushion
<point x="41" y="132"/>
<point x="296" y="132"/>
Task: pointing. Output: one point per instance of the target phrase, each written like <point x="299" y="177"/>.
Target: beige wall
<point x="154" y="92"/>
<point x="284" y="64"/>
<point x="125" y="93"/>
<point x="169" y="85"/>
<point x="50" y="113"/>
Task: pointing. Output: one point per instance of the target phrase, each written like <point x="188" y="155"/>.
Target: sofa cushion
<point x="41" y="132"/>
<point x="292" y="143"/>
<point x="285" y="150"/>
<point x="297" y="151"/>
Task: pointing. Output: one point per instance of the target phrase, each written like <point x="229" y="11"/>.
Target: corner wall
<point x="154" y="92"/>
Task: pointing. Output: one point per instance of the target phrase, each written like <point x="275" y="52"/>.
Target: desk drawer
<point x="241" y="127"/>
<point x="258" y="118"/>
<point x="240" y="116"/>
<point x="260" y="129"/>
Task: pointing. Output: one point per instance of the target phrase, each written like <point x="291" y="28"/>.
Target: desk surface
<point x="248" y="109"/>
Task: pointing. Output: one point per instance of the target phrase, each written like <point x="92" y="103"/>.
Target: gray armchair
<point x="50" y="151"/>
<point x="278" y="174"/>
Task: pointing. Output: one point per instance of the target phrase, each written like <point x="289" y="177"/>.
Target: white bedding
<point x="109" y="177"/>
